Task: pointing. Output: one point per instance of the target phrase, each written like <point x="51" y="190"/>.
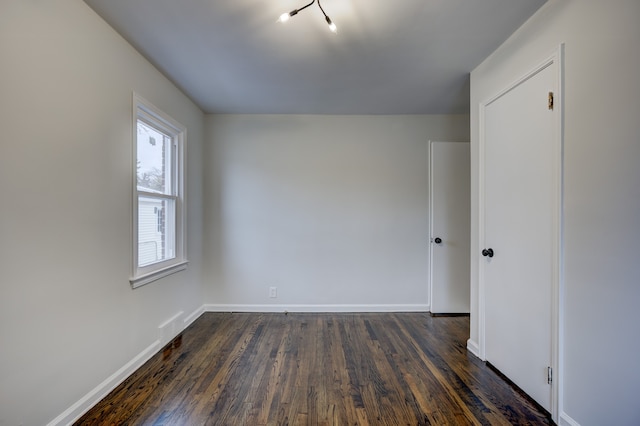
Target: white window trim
<point x="149" y="273"/>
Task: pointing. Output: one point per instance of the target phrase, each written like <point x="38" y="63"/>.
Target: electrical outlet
<point x="273" y="292"/>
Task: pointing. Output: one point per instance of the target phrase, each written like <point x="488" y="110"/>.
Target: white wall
<point x="332" y="210"/>
<point x="68" y="316"/>
<point x="602" y="194"/>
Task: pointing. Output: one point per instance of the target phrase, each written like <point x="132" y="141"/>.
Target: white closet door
<point x="450" y="231"/>
<point x="520" y="215"/>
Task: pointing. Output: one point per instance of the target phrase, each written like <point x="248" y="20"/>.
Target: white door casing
<point x="449" y="202"/>
<point x="520" y="175"/>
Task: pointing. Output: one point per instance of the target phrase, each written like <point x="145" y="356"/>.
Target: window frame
<point x="152" y="116"/>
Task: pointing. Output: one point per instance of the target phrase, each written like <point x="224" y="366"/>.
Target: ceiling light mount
<point x="285" y="16"/>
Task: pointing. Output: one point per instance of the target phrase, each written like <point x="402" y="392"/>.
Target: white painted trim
<point x="169" y="329"/>
<point x="430" y="236"/>
<point x="557" y="285"/>
<point x="141" y="280"/>
<point x="472" y="346"/>
<point x="78" y="409"/>
<point x="481" y="231"/>
<point x="85" y="403"/>
<point x="193" y="317"/>
<point x="315" y="308"/>
<point x="141" y="275"/>
<point x="557" y="330"/>
<point x="565" y="420"/>
<point x="172" y="319"/>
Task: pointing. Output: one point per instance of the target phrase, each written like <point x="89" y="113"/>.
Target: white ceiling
<point x="388" y="57"/>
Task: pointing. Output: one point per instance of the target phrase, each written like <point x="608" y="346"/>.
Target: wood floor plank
<point x="317" y="369"/>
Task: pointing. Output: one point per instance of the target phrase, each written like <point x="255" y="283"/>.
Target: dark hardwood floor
<point x="317" y="369"/>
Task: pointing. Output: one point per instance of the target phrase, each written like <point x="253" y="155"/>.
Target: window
<point x="158" y="205"/>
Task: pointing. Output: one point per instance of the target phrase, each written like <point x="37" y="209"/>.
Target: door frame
<point x="557" y="284"/>
<point x="431" y="224"/>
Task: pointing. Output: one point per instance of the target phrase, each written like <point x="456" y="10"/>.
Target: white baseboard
<point x="315" y="308"/>
<point x="565" y="420"/>
<point x="194" y="316"/>
<point x="473" y="347"/>
<point x="76" y="411"/>
<point x="169" y="329"/>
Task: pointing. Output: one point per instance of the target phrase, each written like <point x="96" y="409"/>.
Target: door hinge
<point x="551" y="101"/>
<point x="549" y="375"/>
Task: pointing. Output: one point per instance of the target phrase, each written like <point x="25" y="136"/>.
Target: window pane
<point x="154" y="160"/>
<point x="156" y="230"/>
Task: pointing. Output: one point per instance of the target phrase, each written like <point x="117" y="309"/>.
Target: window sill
<point x="141" y="280"/>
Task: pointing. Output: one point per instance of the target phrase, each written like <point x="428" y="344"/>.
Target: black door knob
<point x="487" y="252"/>
<point x="437" y="240"/>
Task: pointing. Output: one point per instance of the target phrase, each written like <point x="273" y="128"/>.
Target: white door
<point x="520" y="218"/>
<point x="450" y="233"/>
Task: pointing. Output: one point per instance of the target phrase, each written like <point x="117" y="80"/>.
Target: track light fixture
<point x="285" y="16"/>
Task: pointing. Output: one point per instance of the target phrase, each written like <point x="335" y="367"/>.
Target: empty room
<point x="338" y="212"/>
